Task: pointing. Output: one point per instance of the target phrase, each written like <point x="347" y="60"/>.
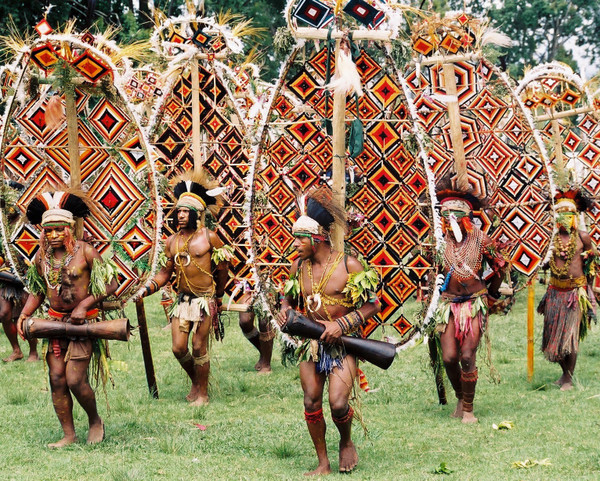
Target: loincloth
<point x="568" y="312"/>
<point x="192" y="310"/>
<point x="466" y="311"/>
<point x="75" y="349"/>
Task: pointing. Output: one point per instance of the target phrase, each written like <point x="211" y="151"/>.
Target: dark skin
<point x="10" y="329"/>
<point x="200" y="248"/>
<point x="454" y="355"/>
<point x="69" y="378"/>
<point x="340" y="380"/>
<point x="265" y="348"/>
<point x="584" y="244"/>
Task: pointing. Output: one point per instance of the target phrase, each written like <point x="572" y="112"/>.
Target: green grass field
<point x="255" y="427"/>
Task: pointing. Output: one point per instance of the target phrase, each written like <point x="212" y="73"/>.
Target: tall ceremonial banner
<point x="197" y="122"/>
<point x="99" y="145"/>
<point x="477" y="126"/>
<point x="565" y="109"/>
<point x="387" y="182"/>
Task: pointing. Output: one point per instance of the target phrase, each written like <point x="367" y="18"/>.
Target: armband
<point x="350" y="322"/>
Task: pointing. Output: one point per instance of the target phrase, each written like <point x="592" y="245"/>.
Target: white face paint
<point x="455" y="227"/>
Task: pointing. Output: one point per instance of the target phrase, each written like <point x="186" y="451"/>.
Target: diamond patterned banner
<point x="389" y="195"/>
<point x="111" y="152"/>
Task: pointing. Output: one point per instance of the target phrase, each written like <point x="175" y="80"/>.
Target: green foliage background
<point x="543" y="30"/>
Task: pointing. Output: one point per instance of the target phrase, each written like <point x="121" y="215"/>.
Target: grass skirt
<point x="562" y="318"/>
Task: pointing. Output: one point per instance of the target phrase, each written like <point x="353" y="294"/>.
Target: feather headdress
<point x="61" y="205"/>
<point x="319" y="214"/>
<point x="195" y="190"/>
<point x="447" y="190"/>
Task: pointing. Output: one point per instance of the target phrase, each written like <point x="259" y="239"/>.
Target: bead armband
<point x="151" y="287"/>
<point x="350" y="321"/>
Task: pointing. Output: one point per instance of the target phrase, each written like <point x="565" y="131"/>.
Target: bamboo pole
<point x="339" y="157"/>
<point x="456" y="136"/>
<point x="73" y="147"/>
<point x="530" y="316"/>
<point x="196" y="127"/>
<point x="321" y="34"/>
<point x="563" y="114"/>
<point x="146" y="351"/>
<point x="557" y="141"/>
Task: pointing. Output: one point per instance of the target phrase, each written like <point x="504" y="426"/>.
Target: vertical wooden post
<point x="338" y="170"/>
<point x="146" y="351"/>
<point x="530" y="316"/>
<point x="456" y="136"/>
<point x="73" y="147"/>
<point x="196" y="127"/>
<point x="557" y="141"/>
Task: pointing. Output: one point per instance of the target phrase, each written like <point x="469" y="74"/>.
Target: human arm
<point x="221" y="256"/>
<point x="167" y="265"/>
<point x="291" y="292"/>
<point x="498" y="265"/>
<point x="589" y="257"/>
<point x="37" y="293"/>
<point x="102" y="283"/>
<point x="361" y="288"/>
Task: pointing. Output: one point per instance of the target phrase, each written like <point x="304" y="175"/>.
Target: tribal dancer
<point x="325" y="283"/>
<point x="200" y="262"/>
<point x="568" y="305"/>
<point x="73" y="277"/>
<point x="261" y="338"/>
<point x="12" y="292"/>
<point x="466" y="297"/>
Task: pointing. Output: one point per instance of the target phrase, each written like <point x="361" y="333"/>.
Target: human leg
<point x="469" y="375"/>
<point x="183" y="355"/>
<point x="450" y="356"/>
<point x="201" y="359"/>
<point x="78" y="383"/>
<point x="61" y="398"/>
<point x="312" y="386"/>
<point x="10" y="329"/>
<point x="265" y="337"/>
<point x="568" y="367"/>
<point x="341" y="382"/>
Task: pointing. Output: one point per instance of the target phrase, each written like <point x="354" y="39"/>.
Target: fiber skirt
<point x="562" y="318"/>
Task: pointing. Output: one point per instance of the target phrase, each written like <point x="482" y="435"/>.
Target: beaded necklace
<point x="53" y="268"/>
<point x="464" y="260"/>
<point x="566" y="252"/>
<point x="318" y="298"/>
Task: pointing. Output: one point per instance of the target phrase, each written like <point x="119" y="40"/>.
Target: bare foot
<point x="321" y="470"/>
<point x="560" y="381"/>
<point x="200" y="401"/>
<point x="348" y="458"/>
<point x="458" y="412"/>
<point x="15" y="356"/>
<point x="567" y="386"/>
<point x="266" y="369"/>
<point x="193" y="394"/>
<point x="63" y="442"/>
<point x="468" y="418"/>
<point x="33" y="357"/>
<point x="96" y="433"/>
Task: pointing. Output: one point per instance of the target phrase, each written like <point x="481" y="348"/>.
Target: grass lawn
<point x="255" y="427"/>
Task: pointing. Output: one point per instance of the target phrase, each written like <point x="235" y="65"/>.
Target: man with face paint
<point x="568" y="305"/>
<point x="73" y="277"/>
<point x="322" y="282"/>
<point x="200" y="263"/>
<point x="466" y="296"/>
